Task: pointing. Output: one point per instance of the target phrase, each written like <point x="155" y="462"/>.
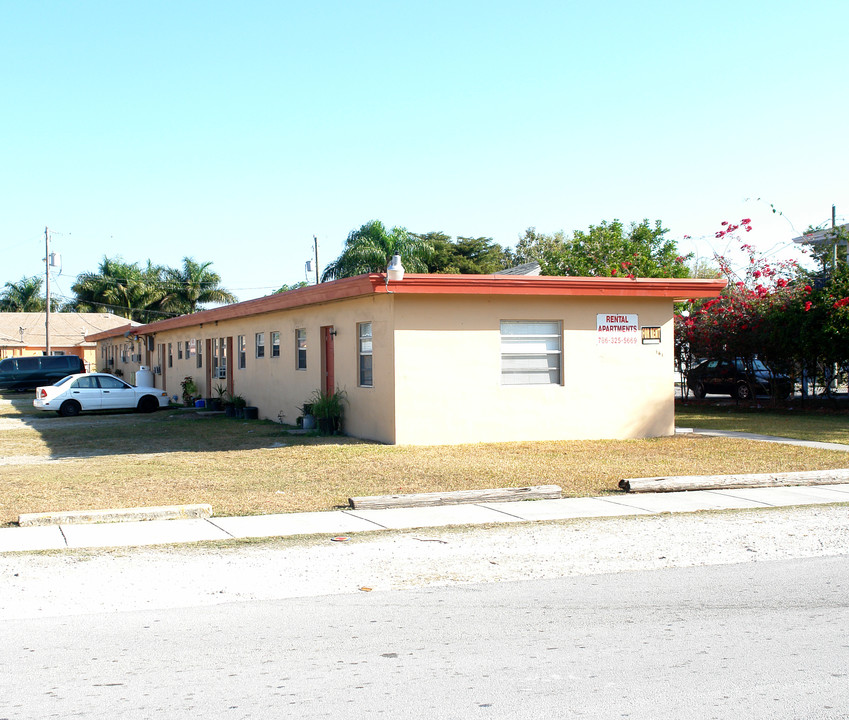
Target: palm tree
<point x="22" y="296"/>
<point x="191" y="286"/>
<point x="371" y="247"/>
<point x="122" y="288"/>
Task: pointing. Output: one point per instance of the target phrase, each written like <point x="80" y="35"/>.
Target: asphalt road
<point x="754" y="640"/>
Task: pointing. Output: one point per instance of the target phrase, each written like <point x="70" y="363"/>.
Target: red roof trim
<point x="675" y="288"/>
<point x="128" y="329"/>
<point x="416" y="284"/>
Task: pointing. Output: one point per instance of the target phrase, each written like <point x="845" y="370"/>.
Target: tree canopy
<point x="191" y="286"/>
<point x="23" y="296"/>
<point x="149" y="293"/>
<point x="607" y="249"/>
<point x="465" y="255"/>
<point x="370" y="247"/>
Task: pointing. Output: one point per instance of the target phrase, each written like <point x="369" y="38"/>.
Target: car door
<point x="725" y="376"/>
<point x="86" y="392"/>
<point x="116" y="394"/>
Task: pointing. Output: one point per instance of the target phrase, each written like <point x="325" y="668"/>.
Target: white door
<point x="86" y="392"/>
<point x="116" y="394"/>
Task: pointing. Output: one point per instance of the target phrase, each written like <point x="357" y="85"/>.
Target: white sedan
<point x="97" y="391"/>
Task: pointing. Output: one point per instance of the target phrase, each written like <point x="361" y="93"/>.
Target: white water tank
<point x="144" y="377"/>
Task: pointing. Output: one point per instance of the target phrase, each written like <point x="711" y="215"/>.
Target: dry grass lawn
<point x="243" y="468"/>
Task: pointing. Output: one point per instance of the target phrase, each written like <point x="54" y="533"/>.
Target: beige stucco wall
<point x="448" y="372"/>
<point x="437" y="368"/>
<point x="275" y="386"/>
<point x="121" y="351"/>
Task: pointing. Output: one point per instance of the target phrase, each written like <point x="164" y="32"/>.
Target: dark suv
<point x="737" y="378"/>
<point x="22" y="373"/>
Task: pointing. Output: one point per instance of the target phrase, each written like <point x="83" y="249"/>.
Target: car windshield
<point x="62" y="381"/>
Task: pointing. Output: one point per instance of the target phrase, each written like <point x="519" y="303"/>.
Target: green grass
<point x="823" y="426"/>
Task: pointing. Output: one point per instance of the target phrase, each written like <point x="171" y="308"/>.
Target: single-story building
<point x="437" y="359"/>
<point x="24" y="333"/>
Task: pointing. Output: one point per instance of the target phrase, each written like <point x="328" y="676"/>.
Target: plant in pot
<point x="235" y="406"/>
<point x="217" y="402"/>
<point x="328" y="409"/>
<point x="190" y="390"/>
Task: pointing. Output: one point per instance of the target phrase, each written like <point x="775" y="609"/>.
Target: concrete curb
<point x="77" y="517"/>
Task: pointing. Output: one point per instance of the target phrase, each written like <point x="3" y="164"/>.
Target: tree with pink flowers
<point x="771" y="311"/>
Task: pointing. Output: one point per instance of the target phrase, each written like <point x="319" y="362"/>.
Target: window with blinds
<point x="531" y="352"/>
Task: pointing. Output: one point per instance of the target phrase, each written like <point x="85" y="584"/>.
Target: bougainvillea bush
<point x="772" y="311"/>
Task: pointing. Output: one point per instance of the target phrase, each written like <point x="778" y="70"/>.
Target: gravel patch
<point x="76" y="582"/>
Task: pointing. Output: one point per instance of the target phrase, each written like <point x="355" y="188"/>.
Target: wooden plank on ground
<point x="676" y="483"/>
<point x="376" y="502"/>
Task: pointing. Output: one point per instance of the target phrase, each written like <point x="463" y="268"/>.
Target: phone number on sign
<point x="618" y="340"/>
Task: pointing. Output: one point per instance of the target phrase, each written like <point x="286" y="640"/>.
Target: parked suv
<point x="737" y="378"/>
<point x="23" y="373"/>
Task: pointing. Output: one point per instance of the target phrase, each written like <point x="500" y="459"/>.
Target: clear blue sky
<point x="234" y="132"/>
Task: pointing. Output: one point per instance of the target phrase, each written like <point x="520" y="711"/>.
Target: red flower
<point x="808" y="305"/>
<point x="746" y="221"/>
<point x="613" y="272"/>
<point x="724" y="222"/>
<point x="808" y="288"/>
<point x="756" y="274"/>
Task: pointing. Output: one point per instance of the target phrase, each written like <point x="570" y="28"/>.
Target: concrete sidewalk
<point x="344" y="522"/>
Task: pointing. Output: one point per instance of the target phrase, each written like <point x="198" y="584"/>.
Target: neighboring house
<point x="438" y="359"/>
<point x="23" y="333"/>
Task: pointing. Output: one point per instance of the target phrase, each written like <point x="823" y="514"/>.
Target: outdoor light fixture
<point x="395" y="271"/>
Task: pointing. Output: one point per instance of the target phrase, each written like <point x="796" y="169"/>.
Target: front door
<point x="328" y="333"/>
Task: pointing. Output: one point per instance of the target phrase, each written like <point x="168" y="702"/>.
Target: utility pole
<point x="834" y="234"/>
<point x="47" y="291"/>
<point x="315" y="244"/>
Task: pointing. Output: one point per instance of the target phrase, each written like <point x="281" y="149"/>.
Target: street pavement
<point x="343" y="522"/>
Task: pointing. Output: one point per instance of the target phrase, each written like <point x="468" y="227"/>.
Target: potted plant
<point x="217" y="403"/>
<point x="235" y="406"/>
<point x="190" y="390"/>
<point x="328" y="409"/>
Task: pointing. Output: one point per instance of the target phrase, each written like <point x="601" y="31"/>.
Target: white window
<point x="275" y="344"/>
<point x="240" y="342"/>
<point x="531" y="352"/>
<point x="260" y="345"/>
<point x="366" y="375"/>
<point x="301" y="348"/>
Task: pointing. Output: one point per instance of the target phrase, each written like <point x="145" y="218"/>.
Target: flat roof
<point x="431" y="284"/>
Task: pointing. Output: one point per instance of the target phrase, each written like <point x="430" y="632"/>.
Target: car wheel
<point x="148" y="404"/>
<point x="70" y="408"/>
<point x="744" y="392"/>
<point x="699" y="390"/>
